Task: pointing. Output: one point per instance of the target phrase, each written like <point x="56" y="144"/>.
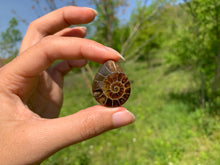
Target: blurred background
<point x="172" y="52"/>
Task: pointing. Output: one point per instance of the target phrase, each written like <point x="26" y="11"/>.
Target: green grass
<point x="168" y="129"/>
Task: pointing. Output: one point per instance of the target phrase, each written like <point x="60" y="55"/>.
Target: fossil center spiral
<point x="115" y="87"/>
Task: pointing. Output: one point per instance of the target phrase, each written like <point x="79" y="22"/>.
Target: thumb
<point x="61" y="132"/>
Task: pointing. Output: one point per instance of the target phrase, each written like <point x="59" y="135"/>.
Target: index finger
<point x="39" y="57"/>
<point x="56" y="21"/>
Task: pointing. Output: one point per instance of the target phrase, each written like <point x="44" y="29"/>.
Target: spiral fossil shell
<point x="111" y="87"/>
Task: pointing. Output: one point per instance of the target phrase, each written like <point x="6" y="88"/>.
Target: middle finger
<point x="56" y="21"/>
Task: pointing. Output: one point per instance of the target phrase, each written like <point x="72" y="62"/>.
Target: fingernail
<point x="122" y="118"/>
<point x="83" y="28"/>
<point x="116" y="53"/>
<point x="94" y="11"/>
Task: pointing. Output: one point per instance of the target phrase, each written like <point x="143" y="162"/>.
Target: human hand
<point x="31" y="90"/>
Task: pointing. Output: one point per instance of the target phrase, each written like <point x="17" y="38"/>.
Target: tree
<point x="141" y="32"/>
<point x="9" y="40"/>
<point x="198" y="47"/>
<point x="107" y="19"/>
<point x="145" y="30"/>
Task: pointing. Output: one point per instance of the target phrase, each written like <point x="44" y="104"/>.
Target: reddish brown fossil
<point x="111" y="86"/>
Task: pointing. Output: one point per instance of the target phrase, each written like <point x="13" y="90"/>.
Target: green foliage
<point x="197" y="47"/>
<point x="150" y="28"/>
<point x="107" y="20"/>
<point x="167" y="130"/>
<point x="9" y="40"/>
<point x="143" y="33"/>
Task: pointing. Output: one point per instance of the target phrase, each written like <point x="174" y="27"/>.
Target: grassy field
<point x="168" y="129"/>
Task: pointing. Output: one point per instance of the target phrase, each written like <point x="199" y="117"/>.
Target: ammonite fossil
<point x="111" y="87"/>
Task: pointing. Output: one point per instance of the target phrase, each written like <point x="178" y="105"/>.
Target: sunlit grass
<point x="167" y="130"/>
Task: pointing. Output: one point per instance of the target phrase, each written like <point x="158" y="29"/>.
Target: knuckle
<point x="33" y="25"/>
<point x="47" y="44"/>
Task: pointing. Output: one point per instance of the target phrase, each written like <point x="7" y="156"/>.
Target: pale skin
<point x="31" y="90"/>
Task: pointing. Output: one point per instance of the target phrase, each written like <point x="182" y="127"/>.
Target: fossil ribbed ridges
<point x="111" y="86"/>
